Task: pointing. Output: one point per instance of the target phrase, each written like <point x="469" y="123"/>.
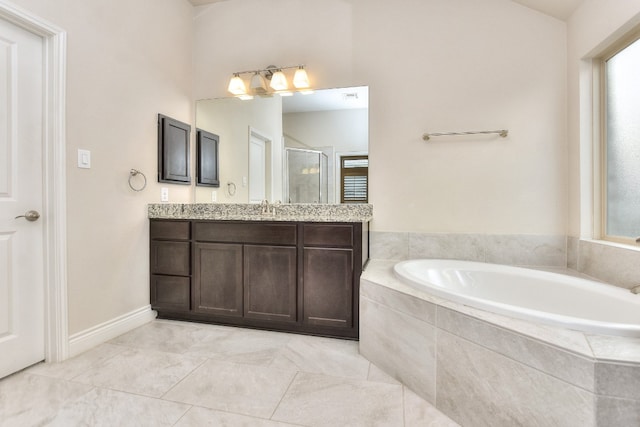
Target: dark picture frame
<point x="174" y="155"/>
<point x="207" y="159"/>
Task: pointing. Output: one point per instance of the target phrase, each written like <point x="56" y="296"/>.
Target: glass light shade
<point x="300" y="79"/>
<point x="279" y="81"/>
<point x="236" y="86"/>
<point x="258" y="84"/>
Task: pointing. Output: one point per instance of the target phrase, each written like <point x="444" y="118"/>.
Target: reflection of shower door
<point x="307" y="180"/>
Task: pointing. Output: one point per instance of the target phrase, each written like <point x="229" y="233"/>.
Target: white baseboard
<point x="89" y="338"/>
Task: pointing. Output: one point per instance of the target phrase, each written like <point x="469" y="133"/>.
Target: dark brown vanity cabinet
<point x="290" y="276"/>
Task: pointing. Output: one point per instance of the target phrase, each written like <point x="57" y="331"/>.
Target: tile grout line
<point x="404" y="406"/>
<point x="283" y="395"/>
<point x="161" y="397"/>
<point x="101" y="363"/>
<point x="181" y="416"/>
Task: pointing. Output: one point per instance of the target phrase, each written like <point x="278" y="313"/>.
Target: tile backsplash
<point x="531" y="250"/>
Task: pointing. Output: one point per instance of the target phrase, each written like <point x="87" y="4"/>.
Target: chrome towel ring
<point x="133" y="173"/>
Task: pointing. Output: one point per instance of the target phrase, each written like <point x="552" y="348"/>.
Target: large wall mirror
<point x="292" y="149"/>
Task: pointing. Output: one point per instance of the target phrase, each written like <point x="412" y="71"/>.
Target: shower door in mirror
<point x="307" y="180"/>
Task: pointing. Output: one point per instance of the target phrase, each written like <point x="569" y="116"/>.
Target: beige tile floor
<point x="186" y="374"/>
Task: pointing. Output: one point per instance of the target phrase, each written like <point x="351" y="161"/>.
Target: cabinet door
<point x="328" y="287"/>
<point x="174" y="154"/>
<point x="217" y="280"/>
<point x="270" y="283"/>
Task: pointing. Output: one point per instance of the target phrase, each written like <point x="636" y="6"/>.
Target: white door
<point x="21" y="240"/>
<point x="257" y="170"/>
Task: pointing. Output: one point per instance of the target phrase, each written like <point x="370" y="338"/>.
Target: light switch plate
<point x="214" y="196"/>
<point x="84" y="159"/>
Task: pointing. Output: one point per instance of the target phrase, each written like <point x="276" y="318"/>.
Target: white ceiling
<point x="560" y="9"/>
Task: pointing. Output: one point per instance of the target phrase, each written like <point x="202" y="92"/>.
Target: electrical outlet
<point x="214" y="196"/>
<point x="244" y="181"/>
<point x="164" y="194"/>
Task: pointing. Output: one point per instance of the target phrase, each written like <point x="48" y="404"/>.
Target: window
<point x="354" y="176"/>
<point x="621" y="143"/>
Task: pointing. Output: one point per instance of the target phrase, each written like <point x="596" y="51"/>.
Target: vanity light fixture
<point x="236" y="85"/>
<point x="300" y="79"/>
<point x="258" y="84"/>
<point x="278" y="83"/>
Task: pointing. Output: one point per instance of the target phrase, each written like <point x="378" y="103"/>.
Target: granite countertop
<point x="253" y="212"/>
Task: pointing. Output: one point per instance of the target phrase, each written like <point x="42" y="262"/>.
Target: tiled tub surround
<point x="253" y="212"/>
<point x="511" y="249"/>
<point x="609" y="262"/>
<point x="483" y="369"/>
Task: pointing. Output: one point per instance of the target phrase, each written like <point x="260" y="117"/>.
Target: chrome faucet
<point x="274" y="205"/>
<point x="265" y="206"/>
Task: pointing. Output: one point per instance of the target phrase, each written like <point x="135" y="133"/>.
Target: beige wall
<point x="591" y="29"/>
<point x="437" y="65"/>
<point x="432" y="65"/>
<point x="127" y="61"/>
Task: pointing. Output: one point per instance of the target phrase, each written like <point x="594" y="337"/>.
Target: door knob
<point x="30" y="216"/>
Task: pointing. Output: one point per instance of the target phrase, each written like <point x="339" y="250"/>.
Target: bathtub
<point x="467" y="343"/>
<point x="534" y="295"/>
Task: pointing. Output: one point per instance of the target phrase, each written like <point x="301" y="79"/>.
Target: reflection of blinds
<point x="355" y="171"/>
<point x="355" y="162"/>
<point x="355" y="189"/>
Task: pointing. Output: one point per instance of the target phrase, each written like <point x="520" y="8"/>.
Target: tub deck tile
<point x="420" y="309"/>
<point x="479" y="387"/>
<point x="574" y="369"/>
<point x="400" y="345"/>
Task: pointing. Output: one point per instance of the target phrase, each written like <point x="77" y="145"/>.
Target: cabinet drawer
<point x="328" y="235"/>
<point x="170" y="258"/>
<point x="274" y="234"/>
<point x="176" y="230"/>
<point x="170" y="292"/>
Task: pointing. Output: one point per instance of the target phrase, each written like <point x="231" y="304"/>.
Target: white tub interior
<point x="541" y="296"/>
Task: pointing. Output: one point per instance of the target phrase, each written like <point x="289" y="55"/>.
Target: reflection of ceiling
<point x="560" y="9"/>
<point x="201" y="2"/>
<point x="327" y="99"/>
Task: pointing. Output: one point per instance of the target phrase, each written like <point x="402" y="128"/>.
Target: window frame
<point x="600" y="163"/>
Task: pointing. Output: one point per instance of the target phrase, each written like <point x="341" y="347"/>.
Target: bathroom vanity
<point x="295" y="270"/>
